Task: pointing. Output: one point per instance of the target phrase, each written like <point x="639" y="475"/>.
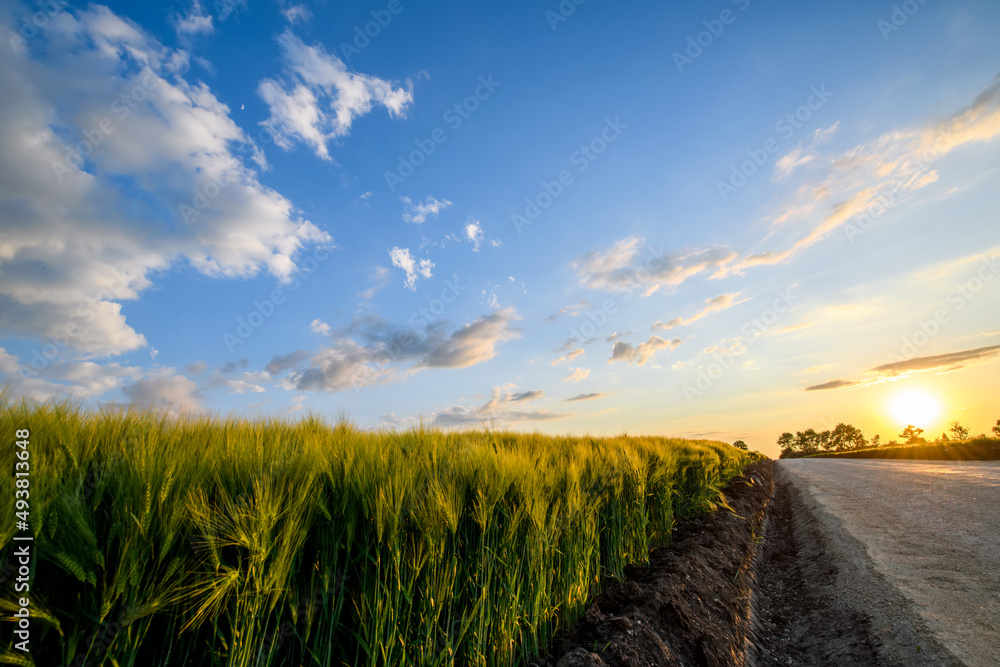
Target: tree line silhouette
<point x="846" y="438"/>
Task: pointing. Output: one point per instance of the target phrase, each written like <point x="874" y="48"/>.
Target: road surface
<point x="929" y="530"/>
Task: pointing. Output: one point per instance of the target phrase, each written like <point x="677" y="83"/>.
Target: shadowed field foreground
<point x="207" y="541"/>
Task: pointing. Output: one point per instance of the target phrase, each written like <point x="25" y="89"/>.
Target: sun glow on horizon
<point x="916" y="407"/>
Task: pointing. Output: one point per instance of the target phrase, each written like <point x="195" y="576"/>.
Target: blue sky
<point x="725" y="220"/>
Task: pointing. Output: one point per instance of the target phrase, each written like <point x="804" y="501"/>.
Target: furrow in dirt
<point x="691" y="606"/>
<point x="775" y="581"/>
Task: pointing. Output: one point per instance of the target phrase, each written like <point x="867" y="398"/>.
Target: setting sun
<point x="915" y="407"/>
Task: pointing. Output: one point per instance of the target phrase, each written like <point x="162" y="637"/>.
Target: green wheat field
<point x="266" y="542"/>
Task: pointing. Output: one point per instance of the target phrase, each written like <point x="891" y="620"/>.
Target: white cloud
<point x="247" y="382"/>
<point x="71" y="254"/>
<point x="295" y="14"/>
<point x="195" y="22"/>
<point x="9" y="364"/>
<point x="243" y="387"/>
<point x="297" y="404"/>
<point x="319" y="326"/>
<point x="318" y="99"/>
<point x="418" y="213"/>
<point x="281" y="363"/>
<point x="166" y="390"/>
<point x="402" y="259"/>
<point x="474" y="343"/>
<point x="79" y="379"/>
<point x="642" y="352"/>
<point x="373" y="352"/>
<point x="474" y="233"/>
<point x="577" y="375"/>
<point x="494" y="412"/>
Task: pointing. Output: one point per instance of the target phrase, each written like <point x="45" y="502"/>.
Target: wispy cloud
<point x="795" y="327"/>
<point x="379" y="278"/>
<point x="950" y="361"/>
<point x="712" y="305"/>
<point x="584" y="397"/>
<point x="790" y="162"/>
<point x="948" y="269"/>
<point x="832" y="384"/>
<point x="824" y="133"/>
<point x="569" y="356"/>
<point x="573" y="309"/>
<point x="417" y="213"/>
<point x="944" y="363"/>
<point x="626" y="267"/>
<point x="296" y="14"/>
<point x="875" y="175"/>
<point x="577" y="375"/>
<point x="816" y="369"/>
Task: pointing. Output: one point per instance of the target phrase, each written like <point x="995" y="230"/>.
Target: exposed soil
<point x="691" y="606"/>
<point x="760" y="585"/>
<point x="800" y="618"/>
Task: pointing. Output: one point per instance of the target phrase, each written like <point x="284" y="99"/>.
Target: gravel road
<point x="917" y="551"/>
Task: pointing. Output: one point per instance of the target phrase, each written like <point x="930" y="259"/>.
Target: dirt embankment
<point x="774" y="582"/>
<point x="691" y="606"/>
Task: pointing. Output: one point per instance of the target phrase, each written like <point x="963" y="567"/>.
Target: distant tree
<point x="846" y="437"/>
<point x="837" y="441"/>
<point x="912" y="435"/>
<point x="824" y="440"/>
<point x="875" y="440"/>
<point x="942" y="438"/>
<point x="739" y="444"/>
<point x="959" y="431"/>
<point x="996" y="429"/>
<point x="806" y="441"/>
<point x="787" y="443"/>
